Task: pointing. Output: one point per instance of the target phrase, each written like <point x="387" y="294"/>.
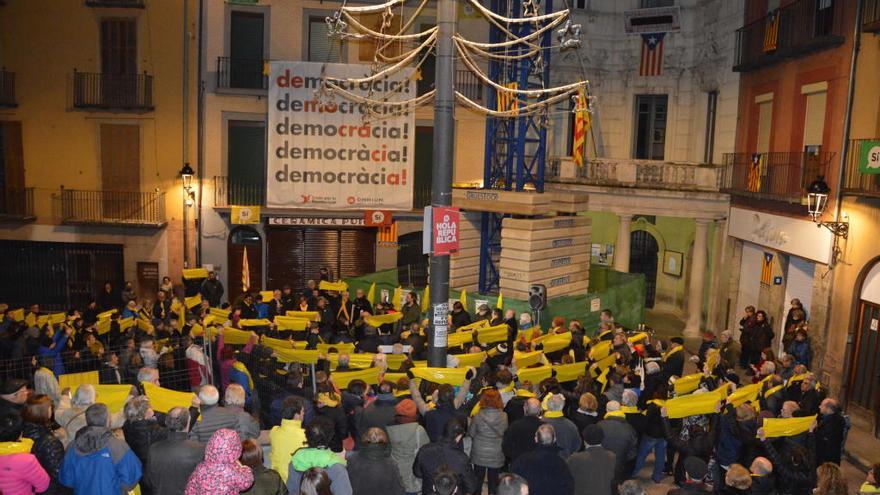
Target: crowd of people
<point x="260" y="424"/>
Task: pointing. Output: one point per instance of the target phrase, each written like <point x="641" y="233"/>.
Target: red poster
<point x="377" y="218"/>
<point x="445" y="221"/>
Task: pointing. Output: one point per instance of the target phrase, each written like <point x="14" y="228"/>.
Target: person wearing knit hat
<point x="592" y="468"/>
<point x="406" y="437"/>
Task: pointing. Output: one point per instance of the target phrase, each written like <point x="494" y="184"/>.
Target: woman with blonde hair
<point x="737" y="481"/>
<point x="829" y="480"/>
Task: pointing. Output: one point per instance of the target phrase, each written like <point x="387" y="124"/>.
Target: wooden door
<point x="120" y="171"/>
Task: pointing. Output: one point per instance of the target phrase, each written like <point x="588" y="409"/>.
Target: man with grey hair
<point x="173" y="460"/>
<point x="631" y="487"/>
<point x="234" y="398"/>
<point x="213" y="416"/>
<point x="518" y="439"/>
<point x="148" y="375"/>
<point x="729" y="350"/>
<point x="830" y="433"/>
<point x="141" y="429"/>
<point x="763" y="480"/>
<point x="70" y="413"/>
<point x="568" y="438"/>
<point x="512" y="484"/>
<point x="543" y="468"/>
<point x="86" y="470"/>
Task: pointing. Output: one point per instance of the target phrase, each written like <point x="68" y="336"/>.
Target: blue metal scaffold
<point x="516" y="147"/>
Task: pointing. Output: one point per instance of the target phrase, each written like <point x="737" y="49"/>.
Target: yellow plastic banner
<point x="193" y="301"/>
<point x="449" y="376"/>
<point x="194" y="273"/>
<point x="163" y="400"/>
<point x="474" y="359"/>
<point x="304" y="315"/>
<point x="341" y="348"/>
<point x="744" y="394"/>
<point x="687" y="383"/>
<point x="342" y="378"/>
<point x="490" y="335"/>
<point x="534" y="375"/>
<point x="267" y="295"/>
<point x="637" y="337"/>
<point x="126" y="323"/>
<point x="114" y="396"/>
<point x="222" y="314"/>
<point x="106" y="314"/>
<point x="556" y="342"/>
<point x="570" y="372"/>
<point x="30" y="320"/>
<point x="692" y="405"/>
<point x="291" y="323"/>
<point x="236" y="337"/>
<point x="603" y="364"/>
<point x="297" y="356"/>
<point x="457" y="339"/>
<point x="377" y="321"/>
<point x="523" y="360"/>
<point x="601" y="350"/>
<point x="787" y="427"/>
<point x="281" y="343"/>
<point x="395" y="361"/>
<point x="73" y="380"/>
<point x="474" y="325"/>
<point x="103" y="326"/>
<point x="144" y="325"/>
<point x="393" y="377"/>
<point x="338" y="286"/>
<point x="250" y="322"/>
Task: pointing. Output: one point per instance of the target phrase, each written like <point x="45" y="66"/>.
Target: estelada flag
<point x="767" y="269"/>
<point x="581" y="125"/>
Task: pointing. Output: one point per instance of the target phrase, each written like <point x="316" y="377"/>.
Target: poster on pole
<point x="328" y="151"/>
<point x="441" y="324"/>
<point x="445" y="220"/>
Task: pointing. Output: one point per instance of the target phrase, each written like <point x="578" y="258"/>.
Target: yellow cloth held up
<point x="449" y="376"/>
<point x="637" y="337"/>
<point x="194" y="273"/>
<point x="163" y="400"/>
<point x="601" y="350"/>
<point x="744" y="394"/>
<point x="523" y="360"/>
<point x="267" y="295"/>
<point x="395" y="299"/>
<point x="473" y="326"/>
<point x="338" y="286"/>
<point x="378" y="320"/>
<point x="115" y="396"/>
<point x="297" y="356"/>
<point x="304" y="315"/>
<point x="222" y="314"/>
<point x="688" y="383"/>
<point x="463" y="299"/>
<point x="342" y="378"/>
<point x="371" y="294"/>
<point x="569" y="372"/>
<point x="474" y="359"/>
<point x="17" y="315"/>
<point x="534" y="375"/>
<point x="74" y="380"/>
<point x="191" y="302"/>
<point x="254" y="323"/>
<point x="291" y="323"/>
<point x="490" y="335"/>
<point x="692" y="405"/>
<point x="787" y="427"/>
<point x="234" y="336"/>
<point x="341" y="347"/>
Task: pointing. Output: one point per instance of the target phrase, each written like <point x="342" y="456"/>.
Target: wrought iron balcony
<point x="238" y="73"/>
<point x="131" y="4"/>
<point x="871" y="16"/>
<point x="17" y="204"/>
<point x="776" y="176"/>
<point x="641" y="174"/>
<point x="7" y="89"/>
<point x="132" y="92"/>
<point x="240" y="192"/>
<point x="794" y="30"/>
<point x="855" y="182"/>
<point x="117" y="208"/>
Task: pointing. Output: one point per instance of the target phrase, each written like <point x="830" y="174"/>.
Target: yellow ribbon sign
<point x="787" y="427"/>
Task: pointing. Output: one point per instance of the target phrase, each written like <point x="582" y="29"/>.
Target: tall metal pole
<point x="441" y="175"/>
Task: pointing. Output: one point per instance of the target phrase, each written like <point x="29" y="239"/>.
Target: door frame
<point x="852" y="337"/>
<point x="656" y="264"/>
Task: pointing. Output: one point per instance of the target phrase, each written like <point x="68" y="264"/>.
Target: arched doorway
<point x="242" y="238"/>
<point x="643" y="259"/>
<point x="864" y="365"/>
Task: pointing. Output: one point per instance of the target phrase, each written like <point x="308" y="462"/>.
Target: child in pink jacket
<point x="20" y="472"/>
<point x="220" y="473"/>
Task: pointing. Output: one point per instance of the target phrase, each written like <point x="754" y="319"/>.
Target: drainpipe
<point x="201" y="131"/>
<point x="847" y="124"/>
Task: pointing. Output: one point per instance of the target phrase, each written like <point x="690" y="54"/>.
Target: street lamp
<point x="189" y="198"/>
<point x="817" y="201"/>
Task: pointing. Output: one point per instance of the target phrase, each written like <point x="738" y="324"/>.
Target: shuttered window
<point x="120" y="157"/>
<point x="322" y="48"/>
<point x="119" y="46"/>
<point x="297" y="255"/>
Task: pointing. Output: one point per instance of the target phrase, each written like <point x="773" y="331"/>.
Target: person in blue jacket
<point x="98" y="463"/>
<point x="51" y="347"/>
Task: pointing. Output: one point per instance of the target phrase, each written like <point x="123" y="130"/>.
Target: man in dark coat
<point x="13" y="395"/>
<point x="380" y="413"/>
<point x="673" y="360"/>
<point x="544" y="469"/>
<point x="520" y="435"/>
<point x="212" y="290"/>
<point x="620" y="438"/>
<point x="172" y="461"/>
<point x="593" y="468"/>
<point x="695" y="474"/>
<point x="446" y="453"/>
<point x="829" y="433"/>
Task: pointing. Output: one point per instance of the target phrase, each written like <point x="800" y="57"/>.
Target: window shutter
<point x="321" y="47"/>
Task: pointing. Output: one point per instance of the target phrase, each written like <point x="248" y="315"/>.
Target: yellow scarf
<point x="672" y="351"/>
<point x="553" y="414"/>
<point x="630" y="410"/>
<point x="508" y="388"/>
<point x="23" y="446"/>
<point x="773" y="390"/>
<point x="615" y="414"/>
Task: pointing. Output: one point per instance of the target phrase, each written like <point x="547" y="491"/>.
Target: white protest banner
<point x="332" y="153"/>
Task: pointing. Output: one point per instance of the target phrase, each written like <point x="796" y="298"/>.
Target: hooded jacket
<point x="99" y="463"/>
<point x="307" y="458"/>
<point x="20" y="472"/>
<point x="49" y="451"/>
<point x="372" y="471"/>
<point x="406" y="440"/>
<point x="220" y="473"/>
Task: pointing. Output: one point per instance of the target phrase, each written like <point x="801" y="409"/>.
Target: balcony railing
<point x="641" y="174"/>
<point x="113" y="91"/>
<point x="468" y="84"/>
<point x="240" y="73"/>
<point x="871" y="16"/>
<point x="239" y="192"/>
<point x="796" y="29"/>
<point x="7" y="89"/>
<point x="126" y="208"/>
<point x="855" y="182"/>
<point x="17" y="204"/>
<point x="777" y="176"/>
<point x="131" y="4"/>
